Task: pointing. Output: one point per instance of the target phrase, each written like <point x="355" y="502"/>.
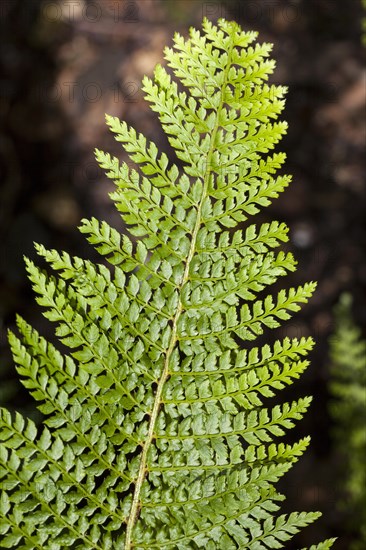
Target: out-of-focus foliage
<point x="348" y="409"/>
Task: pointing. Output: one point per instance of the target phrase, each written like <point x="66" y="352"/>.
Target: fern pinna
<point x="156" y="434"/>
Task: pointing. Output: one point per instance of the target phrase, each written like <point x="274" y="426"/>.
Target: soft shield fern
<point x="156" y="432"/>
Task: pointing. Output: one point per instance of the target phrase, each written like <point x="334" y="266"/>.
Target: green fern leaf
<point x="156" y="433"/>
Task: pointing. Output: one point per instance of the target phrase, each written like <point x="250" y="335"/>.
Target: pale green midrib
<point x="173" y="340"/>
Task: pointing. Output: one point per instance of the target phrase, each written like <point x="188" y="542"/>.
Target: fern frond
<point x="156" y="431"/>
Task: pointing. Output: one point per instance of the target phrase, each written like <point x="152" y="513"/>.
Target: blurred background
<point x="64" y="63"/>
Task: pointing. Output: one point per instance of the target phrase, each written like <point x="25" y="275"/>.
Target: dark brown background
<point x="64" y="64"/>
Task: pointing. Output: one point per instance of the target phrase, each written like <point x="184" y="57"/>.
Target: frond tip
<point x="156" y="434"/>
